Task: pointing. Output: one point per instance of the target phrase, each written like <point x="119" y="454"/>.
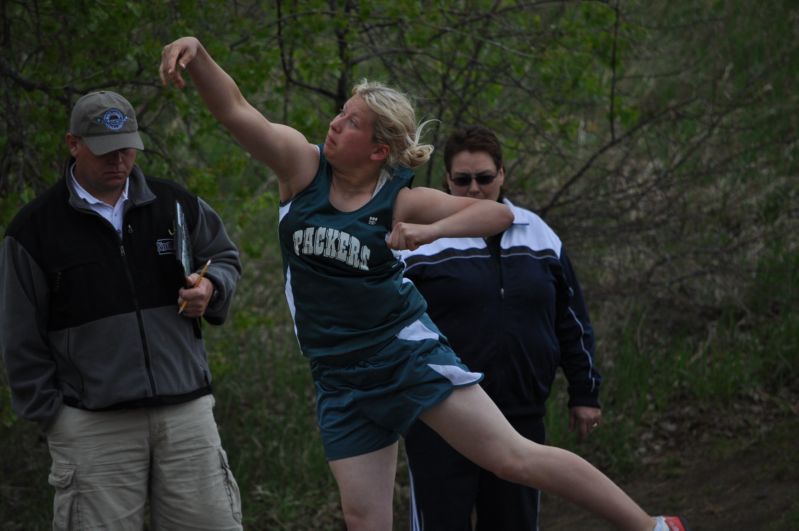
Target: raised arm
<point x="282" y="148"/>
<point x="423" y="215"/>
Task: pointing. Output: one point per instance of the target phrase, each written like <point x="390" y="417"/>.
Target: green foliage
<point x="8" y="417"/>
<point x="658" y="138"/>
<point x="739" y="356"/>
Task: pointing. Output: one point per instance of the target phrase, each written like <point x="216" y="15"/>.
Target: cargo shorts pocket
<point x="65" y="502"/>
<point x="231" y="487"/>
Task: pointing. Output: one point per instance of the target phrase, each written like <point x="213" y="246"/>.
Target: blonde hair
<point x="395" y="124"/>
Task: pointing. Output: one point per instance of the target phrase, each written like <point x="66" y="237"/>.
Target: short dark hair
<point x="472" y="138"/>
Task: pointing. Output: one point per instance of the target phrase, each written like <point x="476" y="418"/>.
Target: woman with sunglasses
<point x="511" y="307"/>
<point x="377" y="360"/>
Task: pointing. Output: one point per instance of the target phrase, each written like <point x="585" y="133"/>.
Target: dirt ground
<point x="723" y="470"/>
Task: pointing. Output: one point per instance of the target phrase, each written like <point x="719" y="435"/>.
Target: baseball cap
<point x="106" y="122"/>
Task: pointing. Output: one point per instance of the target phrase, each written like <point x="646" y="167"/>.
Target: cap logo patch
<point x="114" y="119"/>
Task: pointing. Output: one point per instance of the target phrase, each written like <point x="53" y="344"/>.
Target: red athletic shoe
<point x="675" y="523"/>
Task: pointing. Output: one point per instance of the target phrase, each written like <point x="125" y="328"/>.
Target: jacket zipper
<point x="147" y="361"/>
<point x="494" y="245"/>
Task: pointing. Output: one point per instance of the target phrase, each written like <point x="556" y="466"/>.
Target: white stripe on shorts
<point x="455" y="374"/>
<point x="417" y="331"/>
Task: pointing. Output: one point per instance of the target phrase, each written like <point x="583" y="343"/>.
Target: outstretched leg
<point x="470" y="422"/>
<point x="366" y="486"/>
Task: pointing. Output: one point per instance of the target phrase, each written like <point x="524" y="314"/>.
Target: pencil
<point x="196" y="283"/>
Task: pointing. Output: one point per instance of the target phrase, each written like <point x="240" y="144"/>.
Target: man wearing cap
<point x="96" y="349"/>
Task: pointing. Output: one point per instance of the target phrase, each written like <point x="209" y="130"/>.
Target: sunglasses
<point x="465" y="179"/>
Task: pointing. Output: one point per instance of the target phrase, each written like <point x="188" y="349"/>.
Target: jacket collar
<point x="139" y="193"/>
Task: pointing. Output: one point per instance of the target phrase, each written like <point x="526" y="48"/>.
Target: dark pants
<point x="446" y="487"/>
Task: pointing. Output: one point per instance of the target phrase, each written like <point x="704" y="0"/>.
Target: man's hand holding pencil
<point x="194" y="300"/>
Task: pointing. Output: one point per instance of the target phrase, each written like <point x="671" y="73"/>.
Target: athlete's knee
<point x="511" y="470"/>
<point x="361" y="518"/>
<point x="515" y="464"/>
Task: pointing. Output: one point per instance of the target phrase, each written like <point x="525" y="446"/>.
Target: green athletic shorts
<point x="366" y="402"/>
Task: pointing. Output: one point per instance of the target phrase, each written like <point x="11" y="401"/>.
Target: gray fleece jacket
<point x="89" y="317"/>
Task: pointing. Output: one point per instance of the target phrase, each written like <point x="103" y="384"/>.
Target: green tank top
<point x="344" y="286"/>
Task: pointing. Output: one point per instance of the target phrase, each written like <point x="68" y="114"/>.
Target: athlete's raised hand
<point x="175" y="57"/>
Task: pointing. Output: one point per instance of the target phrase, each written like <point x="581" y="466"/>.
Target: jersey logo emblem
<point x="372" y="220"/>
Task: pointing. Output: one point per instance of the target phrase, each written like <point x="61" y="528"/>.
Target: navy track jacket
<point x="516" y="317"/>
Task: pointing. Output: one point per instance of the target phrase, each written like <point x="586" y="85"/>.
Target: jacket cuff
<point x="584" y="400"/>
